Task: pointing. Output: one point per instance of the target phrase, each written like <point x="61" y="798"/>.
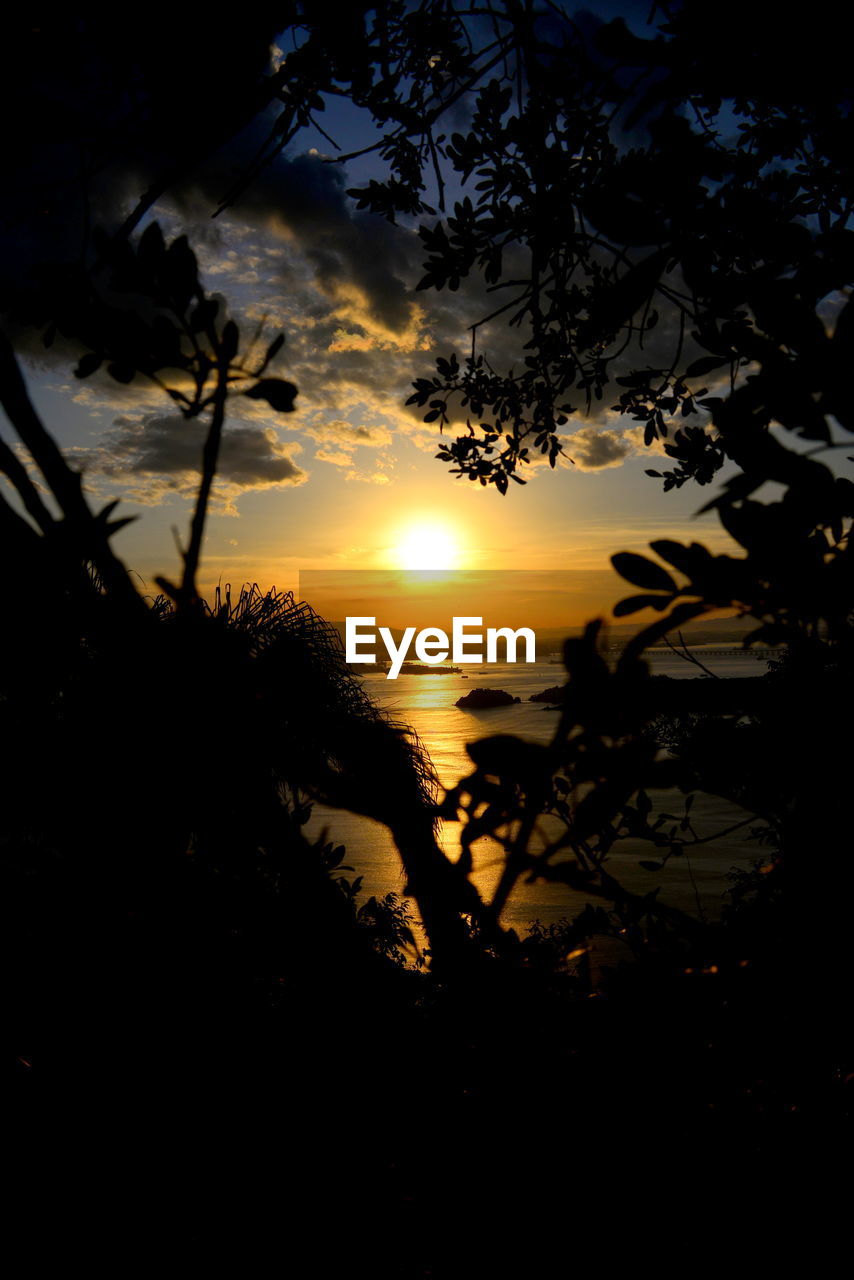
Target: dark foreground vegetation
<point x="222" y="1057"/>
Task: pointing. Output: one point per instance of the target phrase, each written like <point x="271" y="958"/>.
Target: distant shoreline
<point x="407" y="669"/>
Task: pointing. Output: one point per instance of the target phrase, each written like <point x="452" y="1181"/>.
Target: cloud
<point x="160" y="454"/>
<point x="337" y="459"/>
<point x="354" y="258"/>
<point x="339" y="440"/>
<point x="596" y="448"/>
<point x="347" y="436"/>
<point x="635" y="436"/>
<point x="370" y="477"/>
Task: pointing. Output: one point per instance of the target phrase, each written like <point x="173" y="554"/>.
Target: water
<point x="695" y="883"/>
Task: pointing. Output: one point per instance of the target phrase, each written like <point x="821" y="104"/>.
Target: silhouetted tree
<point x="634" y="194"/>
<point x="668" y="209"/>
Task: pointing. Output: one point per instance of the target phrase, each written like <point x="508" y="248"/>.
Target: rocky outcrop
<point x="556" y="693"/>
<point x="480" y="698"/>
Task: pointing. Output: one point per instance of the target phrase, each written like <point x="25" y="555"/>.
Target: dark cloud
<point x="307" y="196"/>
<point x="595" y="448"/>
<point x="165" y="445"/>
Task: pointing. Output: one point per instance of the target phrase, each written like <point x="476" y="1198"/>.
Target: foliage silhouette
<point x="672" y="217"/>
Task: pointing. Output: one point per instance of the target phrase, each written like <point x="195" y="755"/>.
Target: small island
<point x="556" y="693"/>
<point x="478" y="699"/>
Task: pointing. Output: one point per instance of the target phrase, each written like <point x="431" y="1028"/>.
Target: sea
<point x="696" y="882"/>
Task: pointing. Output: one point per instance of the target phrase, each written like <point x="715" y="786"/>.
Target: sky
<point x="349" y="480"/>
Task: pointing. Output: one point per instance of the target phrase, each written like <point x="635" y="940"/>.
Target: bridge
<point x="728" y="651"/>
<point x="701" y="651"/>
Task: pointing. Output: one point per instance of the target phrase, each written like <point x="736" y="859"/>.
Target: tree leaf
<point x="642" y="572"/>
<point x="272" y="351"/>
<point x="278" y="393"/>
<point x="633" y="603"/>
<point x="681" y="557"/>
<point x="88" y="364"/>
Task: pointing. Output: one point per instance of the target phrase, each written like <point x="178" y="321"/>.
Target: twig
<point x="687" y="656"/>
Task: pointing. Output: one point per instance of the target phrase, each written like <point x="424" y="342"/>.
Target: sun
<point x="428" y="545"/>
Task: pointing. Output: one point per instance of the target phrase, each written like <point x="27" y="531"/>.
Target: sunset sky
<point x="349" y="480"/>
